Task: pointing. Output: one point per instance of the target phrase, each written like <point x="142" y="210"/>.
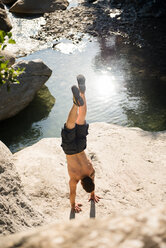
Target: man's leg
<point x="82" y="112"/>
<point x="72" y="117"/>
<point x="77" y="102"/>
<point x="82" y="109"/>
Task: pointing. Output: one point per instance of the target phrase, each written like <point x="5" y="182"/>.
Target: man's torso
<point x="79" y="166"/>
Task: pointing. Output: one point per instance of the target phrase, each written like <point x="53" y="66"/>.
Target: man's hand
<point x="77" y="208"/>
<point x="94" y="198"/>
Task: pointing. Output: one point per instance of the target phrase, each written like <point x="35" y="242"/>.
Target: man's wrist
<point x="73" y="205"/>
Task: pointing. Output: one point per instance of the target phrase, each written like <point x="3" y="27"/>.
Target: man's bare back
<point x="79" y="166"/>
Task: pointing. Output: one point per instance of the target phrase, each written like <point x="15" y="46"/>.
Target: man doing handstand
<point x="74" y="143"/>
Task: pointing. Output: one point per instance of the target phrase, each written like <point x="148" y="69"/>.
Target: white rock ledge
<point x="130" y="172"/>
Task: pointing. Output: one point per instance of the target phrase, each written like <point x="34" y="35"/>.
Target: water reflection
<point x="146" y="85"/>
<point x="24" y="128"/>
<point x="139" y="77"/>
<point x="124" y="87"/>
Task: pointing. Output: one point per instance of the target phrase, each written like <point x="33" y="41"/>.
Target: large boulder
<point x="45" y="163"/>
<point x="129" y="164"/>
<point x="36" y="73"/>
<point x="5" y="23"/>
<point x="142" y="229"/>
<point x="38" y="6"/>
<point x="16" y="212"/>
<point x="8" y="1"/>
<point x="8" y="56"/>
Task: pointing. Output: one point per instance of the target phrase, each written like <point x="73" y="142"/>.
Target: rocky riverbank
<point x="137" y="22"/>
<point x="130" y="169"/>
<point x="103" y="18"/>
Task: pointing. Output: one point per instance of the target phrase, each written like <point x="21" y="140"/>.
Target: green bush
<point x="8" y="75"/>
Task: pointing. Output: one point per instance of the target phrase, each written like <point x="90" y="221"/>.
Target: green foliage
<point x="8" y="75"/>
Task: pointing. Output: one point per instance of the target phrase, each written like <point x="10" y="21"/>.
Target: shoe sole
<point x="81" y="83"/>
<point x="77" y="99"/>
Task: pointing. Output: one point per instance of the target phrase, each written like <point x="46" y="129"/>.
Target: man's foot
<point x="81" y="83"/>
<point x="77" y="99"/>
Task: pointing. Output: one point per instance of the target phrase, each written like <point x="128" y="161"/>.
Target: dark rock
<point x="4" y="20"/>
<point x="8" y="1"/>
<point x="38" y="6"/>
<point x="36" y="73"/>
<point x="1" y="5"/>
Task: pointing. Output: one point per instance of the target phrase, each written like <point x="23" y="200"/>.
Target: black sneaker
<point x="81" y="83"/>
<point x="77" y="99"/>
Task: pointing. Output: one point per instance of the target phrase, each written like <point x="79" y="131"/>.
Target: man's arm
<point x="93" y="197"/>
<point x="92" y="175"/>
<point x="73" y="185"/>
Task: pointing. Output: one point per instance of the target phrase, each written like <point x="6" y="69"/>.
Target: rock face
<point x="129" y="164"/>
<point x="8" y="56"/>
<point x="146" y="8"/>
<point x="136" y="230"/>
<point x="8" y="1"/>
<point x="36" y="73"/>
<point x="4" y="20"/>
<point x="38" y="6"/>
<point x="16" y="212"/>
<point x="49" y="179"/>
<point x="1" y="5"/>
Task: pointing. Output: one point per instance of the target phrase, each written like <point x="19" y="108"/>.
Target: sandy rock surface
<point x="16" y="212"/>
<point x="135" y="230"/>
<point x="130" y="172"/>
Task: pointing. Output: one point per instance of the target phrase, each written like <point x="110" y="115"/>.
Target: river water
<point x="125" y="86"/>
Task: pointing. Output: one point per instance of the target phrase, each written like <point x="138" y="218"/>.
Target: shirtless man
<point x="74" y="143"/>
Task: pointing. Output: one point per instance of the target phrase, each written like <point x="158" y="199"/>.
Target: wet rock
<point x="8" y="56"/>
<point x="133" y="230"/>
<point x="5" y="23"/>
<point x="38" y="6"/>
<point x="36" y="73"/>
<point x="163" y="78"/>
<point x="16" y="212"/>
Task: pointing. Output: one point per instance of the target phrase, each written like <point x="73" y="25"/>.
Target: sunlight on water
<point x="106" y="85"/>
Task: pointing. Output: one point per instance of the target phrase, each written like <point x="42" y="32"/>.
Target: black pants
<point x="74" y="140"/>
